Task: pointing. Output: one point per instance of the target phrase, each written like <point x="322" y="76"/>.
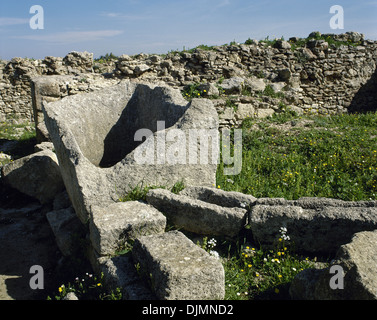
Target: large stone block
<point x="98" y="138"/>
<point x="196" y="215"/>
<point x="67" y="228"/>
<point x="220" y="197"/>
<point x="120" y="272"/>
<point x="314" y="225"/>
<point x="112" y="226"/>
<point x="354" y="268"/>
<point x="178" y="269"/>
<point x="42" y="87"/>
<point x="37" y="175"/>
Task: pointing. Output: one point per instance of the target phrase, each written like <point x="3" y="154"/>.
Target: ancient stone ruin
<point x="98" y="154"/>
<point x="92" y="121"/>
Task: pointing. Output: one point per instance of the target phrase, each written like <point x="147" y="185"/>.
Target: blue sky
<point x="135" y="26"/>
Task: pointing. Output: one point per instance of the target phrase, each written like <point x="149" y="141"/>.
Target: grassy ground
<point x="291" y="157"/>
<point x="316" y="156"/>
<point x="16" y="140"/>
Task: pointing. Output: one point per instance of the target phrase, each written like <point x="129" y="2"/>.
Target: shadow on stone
<point x="366" y="98"/>
<point x="145" y="108"/>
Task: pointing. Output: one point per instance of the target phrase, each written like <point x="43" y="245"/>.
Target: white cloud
<point x="123" y="16"/>
<point x="73" y="36"/>
<point x="6" y="21"/>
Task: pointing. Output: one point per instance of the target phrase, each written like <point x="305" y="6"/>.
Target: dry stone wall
<point x="310" y="74"/>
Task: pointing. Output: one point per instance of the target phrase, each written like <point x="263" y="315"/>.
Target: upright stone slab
<point x="178" y="269"/>
<point x="98" y="138"/>
<point x="112" y="226"/>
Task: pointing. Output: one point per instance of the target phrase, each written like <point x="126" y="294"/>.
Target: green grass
<point x="19" y="132"/>
<point x="290" y="156"/>
<point x="87" y="287"/>
<point x="139" y="192"/>
<point x="328" y="156"/>
<point x="302" y="42"/>
<point x="23" y="136"/>
<point x="254" y="273"/>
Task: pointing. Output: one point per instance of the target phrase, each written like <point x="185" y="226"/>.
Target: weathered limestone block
<point x="281" y="44"/>
<point x="358" y="260"/>
<point x="66" y="227"/>
<point x="196" y="215"/>
<point x="314" y="226"/>
<point x="45" y="89"/>
<point x="114" y="225"/>
<point x="245" y="111"/>
<point x="120" y="272"/>
<point x="264" y="113"/>
<point x="98" y="141"/>
<point x="42" y="87"/>
<point x="37" y="175"/>
<point x="232" y="85"/>
<point x="44" y="146"/>
<point x="219" y="197"/>
<point x="255" y="84"/>
<point x="178" y="269"/>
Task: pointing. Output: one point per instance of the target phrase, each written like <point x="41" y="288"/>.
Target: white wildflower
<point x="211" y="243"/>
<point x="214" y="253"/>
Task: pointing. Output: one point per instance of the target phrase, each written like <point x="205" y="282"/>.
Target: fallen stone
<point x="79" y="61"/>
<point x="209" y="89"/>
<point x="264" y="113"/>
<point x="196" y="215"/>
<point x="62" y="201"/>
<point x="99" y="156"/>
<point x="120" y="272"/>
<point x="71" y="296"/>
<point x="232" y="85"/>
<point x="282" y="44"/>
<point x="255" y="84"/>
<point x="5" y="157"/>
<point x="358" y="263"/>
<point x="112" y="226"/>
<point x="245" y="111"/>
<point x="42" y="87"/>
<point x="140" y="69"/>
<point x="178" y="269"/>
<point x="37" y="175"/>
<point x="67" y="228"/>
<point x="219" y="197"/>
<point x="315" y="227"/>
<point x="44" y="146"/>
<point x="304" y="283"/>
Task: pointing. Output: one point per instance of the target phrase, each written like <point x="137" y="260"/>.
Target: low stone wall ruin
<point x="317" y="77"/>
